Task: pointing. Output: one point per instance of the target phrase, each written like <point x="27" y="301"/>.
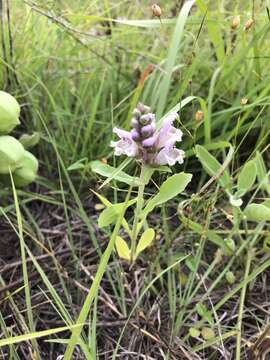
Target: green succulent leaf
<point x="11" y="154"/>
<point x="9" y="113"/>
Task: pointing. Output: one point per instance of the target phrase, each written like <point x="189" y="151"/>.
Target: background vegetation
<point x="79" y="67"/>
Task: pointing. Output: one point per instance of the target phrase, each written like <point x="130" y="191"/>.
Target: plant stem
<point x="138" y="210"/>
<point x="241" y="306"/>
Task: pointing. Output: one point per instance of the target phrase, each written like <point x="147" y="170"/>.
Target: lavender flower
<point x="126" y="145"/>
<point x="170" y="156"/>
<point x="151" y="146"/>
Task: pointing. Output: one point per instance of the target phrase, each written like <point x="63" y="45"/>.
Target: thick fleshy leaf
<point x="145" y="240"/>
<point x="257" y="212"/>
<point x="212" y="166"/>
<point x="246" y="178"/>
<point x="122" y="248"/>
<point x="173" y="186"/>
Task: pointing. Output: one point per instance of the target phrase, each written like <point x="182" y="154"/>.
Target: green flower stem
<point x="138" y="210"/>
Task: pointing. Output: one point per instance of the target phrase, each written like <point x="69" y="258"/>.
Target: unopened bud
<point x="156" y="10"/>
<point x="135" y="135"/>
<point x="148" y="130"/>
<point x="145" y="119"/>
<point x="135" y="123"/>
<point x="248" y="24"/>
<point x="230" y="277"/>
<point x="235" y="22"/>
<point x="243" y="101"/>
<point x="136" y="113"/>
<point x="199" y="116"/>
<point x="143" y="108"/>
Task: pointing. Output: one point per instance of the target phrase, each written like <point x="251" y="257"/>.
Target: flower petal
<point x="169" y="156"/>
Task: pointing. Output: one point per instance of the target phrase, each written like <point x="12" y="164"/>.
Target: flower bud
<point x="199" y="116"/>
<point x="135" y="123"/>
<point x="235" y="22"/>
<point x="248" y="24"/>
<point x="135" y="134"/>
<point x="148" y="130"/>
<point x="156" y="10"/>
<point x="11" y="154"/>
<point x="27" y="171"/>
<point x="145" y="120"/>
<point x="9" y="112"/>
<point x="207" y="333"/>
<point x="143" y="109"/>
<point x="230" y="277"/>
<point x="136" y="113"/>
<point x="149" y="142"/>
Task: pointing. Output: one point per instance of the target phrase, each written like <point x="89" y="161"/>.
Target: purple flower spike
<point x="168" y="135"/>
<point x="126" y="145"/>
<point x="135" y="124"/>
<point x="135" y="134"/>
<point x="170" y="156"/>
<point x="150" y="146"/>
<point x="149" y="142"/>
<point x="147" y="119"/>
<point x="148" y="130"/>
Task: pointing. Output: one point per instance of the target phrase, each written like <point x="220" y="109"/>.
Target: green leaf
<point x="194" y="332"/>
<point x="212" y="166"/>
<point x="78" y="165"/>
<point x="191" y="263"/>
<point x="173" y="186"/>
<point x="266" y="203"/>
<point x="173" y="57"/>
<point x="113" y="173"/>
<point x="204" y="313"/>
<point x="263" y="177"/>
<point x="111" y="213"/>
<point x="208" y="333"/>
<point x="210" y="234"/>
<point x="257" y="212"/>
<point x="122" y="248"/>
<point x="246" y="178"/>
<point x="145" y="240"/>
<point x="104" y="201"/>
<point x="29" y="141"/>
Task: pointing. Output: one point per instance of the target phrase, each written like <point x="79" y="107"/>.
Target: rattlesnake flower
<point x="9" y="113"/>
<point x="146" y="142"/>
